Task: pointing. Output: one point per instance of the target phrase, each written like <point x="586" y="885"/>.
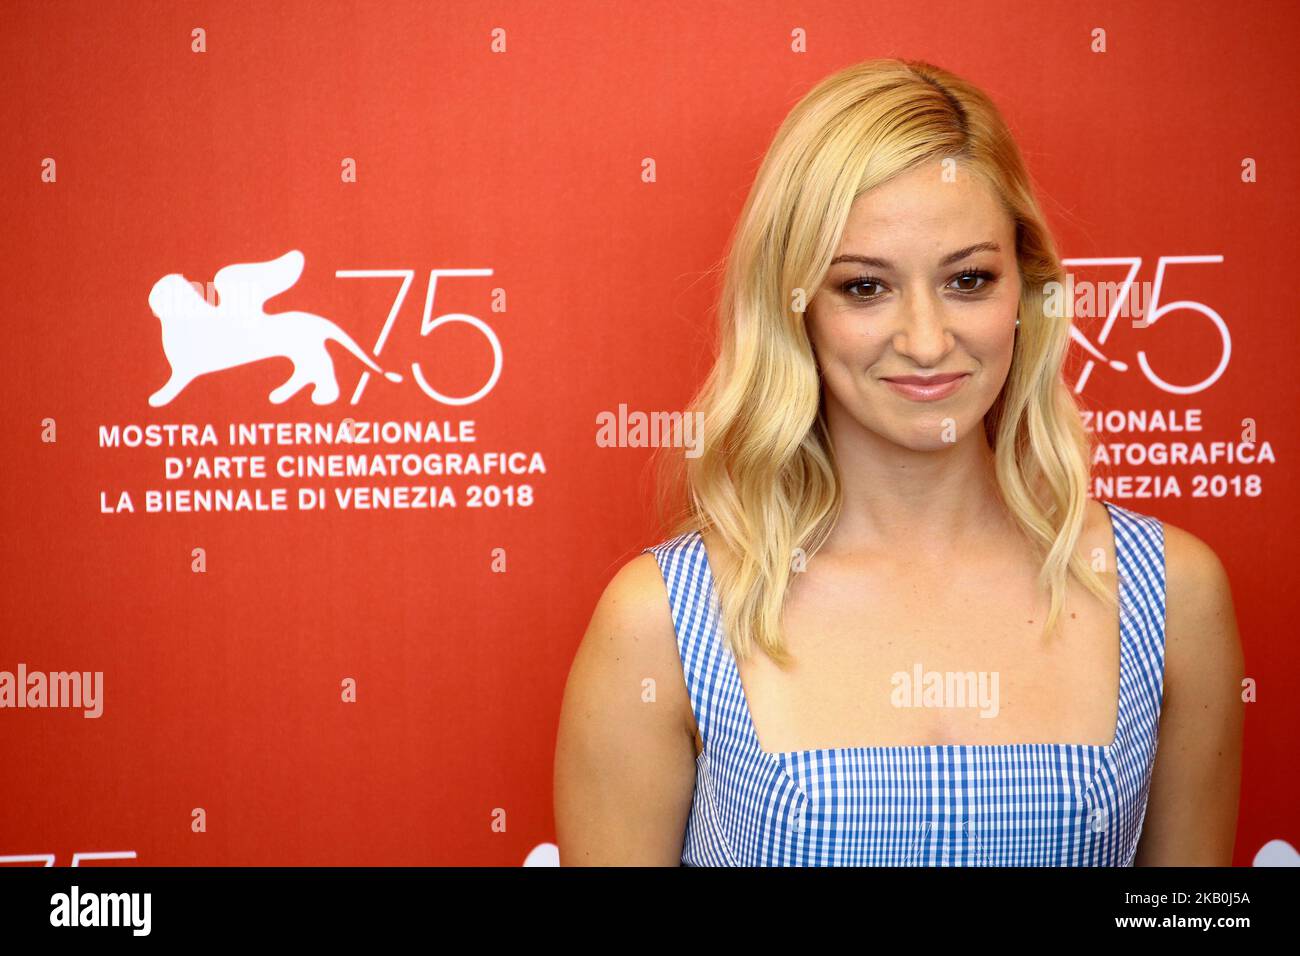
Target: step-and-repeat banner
<point x="315" y="312"/>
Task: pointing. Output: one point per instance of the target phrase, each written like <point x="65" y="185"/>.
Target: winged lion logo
<point x="199" y="338"/>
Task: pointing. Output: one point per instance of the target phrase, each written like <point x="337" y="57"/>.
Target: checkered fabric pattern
<point x="938" y="805"/>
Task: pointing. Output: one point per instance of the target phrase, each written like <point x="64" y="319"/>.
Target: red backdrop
<point x="512" y="138"/>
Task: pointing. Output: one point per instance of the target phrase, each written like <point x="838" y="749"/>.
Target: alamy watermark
<point x="84" y="689"/>
<point x="624" y="429"/>
<point x="1091" y="300"/>
<point x="75" y="908"/>
<point x="922" y="688"/>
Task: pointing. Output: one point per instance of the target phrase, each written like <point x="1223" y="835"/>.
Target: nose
<point x="922" y="333"/>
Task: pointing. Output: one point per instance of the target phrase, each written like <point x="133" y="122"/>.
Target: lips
<point x="927" y="388"/>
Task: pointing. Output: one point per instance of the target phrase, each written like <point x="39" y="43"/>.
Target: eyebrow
<point x="945" y="261"/>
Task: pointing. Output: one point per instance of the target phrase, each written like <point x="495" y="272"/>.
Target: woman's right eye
<point x="849" y="287"/>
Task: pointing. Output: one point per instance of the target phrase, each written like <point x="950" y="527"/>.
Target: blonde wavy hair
<point x="765" y="480"/>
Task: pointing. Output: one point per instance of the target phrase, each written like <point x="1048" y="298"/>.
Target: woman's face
<point x="925" y="283"/>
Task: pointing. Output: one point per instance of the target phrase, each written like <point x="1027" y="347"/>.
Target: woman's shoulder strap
<point x="684" y="563"/>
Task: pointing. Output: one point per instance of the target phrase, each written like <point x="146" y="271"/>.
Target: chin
<point x="925" y="442"/>
<point x="932" y="431"/>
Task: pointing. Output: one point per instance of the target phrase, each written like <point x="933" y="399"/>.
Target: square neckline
<point x="787" y="756"/>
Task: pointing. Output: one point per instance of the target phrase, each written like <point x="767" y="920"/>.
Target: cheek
<point x="994" y="349"/>
<point x="842" y="341"/>
<point x="995" y="337"/>
<point x="996" y="341"/>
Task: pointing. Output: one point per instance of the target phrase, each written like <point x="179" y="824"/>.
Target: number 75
<point x="427" y="325"/>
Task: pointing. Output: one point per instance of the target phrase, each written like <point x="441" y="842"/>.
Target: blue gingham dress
<point x="935" y="805"/>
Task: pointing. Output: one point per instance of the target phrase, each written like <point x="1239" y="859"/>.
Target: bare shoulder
<point x="631" y="635"/>
<point x="1199" y="613"/>
<point x="1202" y="644"/>
<point x="624" y="757"/>
<point x="1202" y="714"/>
<point x="637" y="586"/>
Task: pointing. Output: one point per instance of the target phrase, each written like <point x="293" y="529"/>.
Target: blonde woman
<point x="890" y="627"/>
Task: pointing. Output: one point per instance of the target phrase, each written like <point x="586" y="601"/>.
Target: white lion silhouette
<point x="199" y="338"/>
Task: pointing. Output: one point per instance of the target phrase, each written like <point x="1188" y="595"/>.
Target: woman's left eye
<point x="983" y="277"/>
